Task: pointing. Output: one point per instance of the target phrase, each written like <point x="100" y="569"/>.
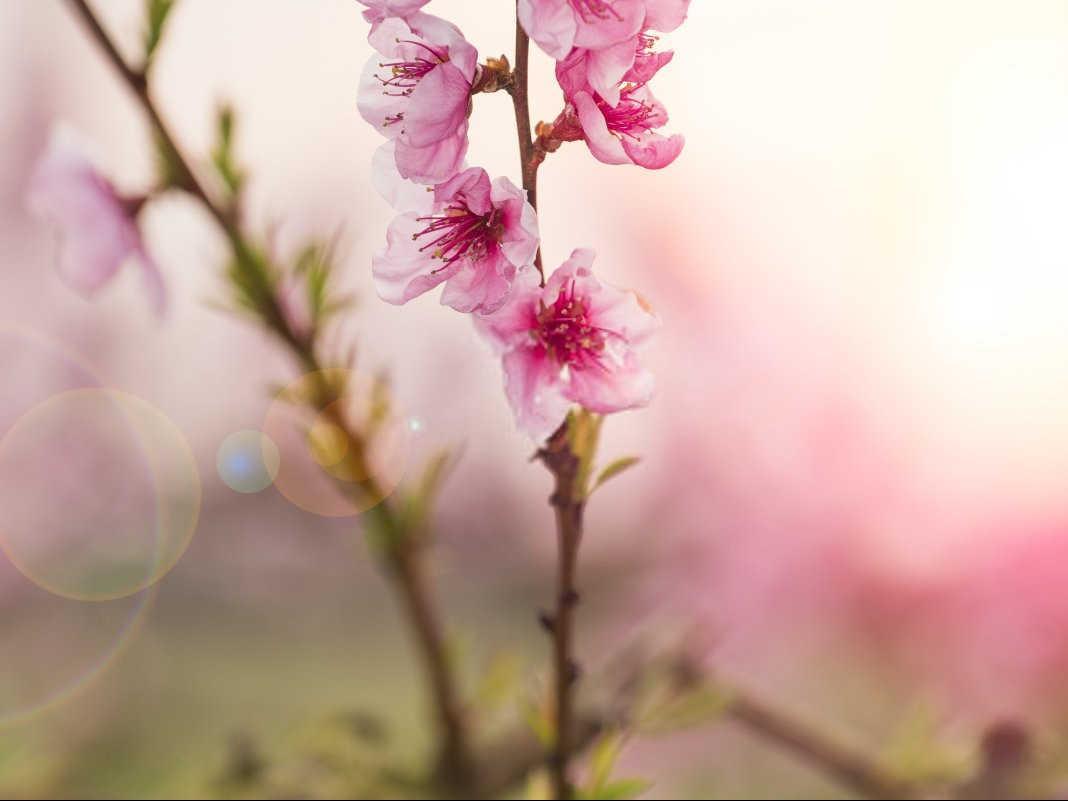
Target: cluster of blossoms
<point x="566" y="338"/>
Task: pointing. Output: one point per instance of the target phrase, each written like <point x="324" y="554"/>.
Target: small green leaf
<point x="602" y="760"/>
<point x="623" y="789"/>
<point x="614" y="469"/>
<point x="222" y="155"/>
<point x="583" y="433"/>
<point x="538" y="720"/>
<point x="500" y="681"/>
<point x="156" y="14"/>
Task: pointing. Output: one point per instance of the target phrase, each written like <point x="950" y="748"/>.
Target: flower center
<point x="565" y="331"/>
<point x="460" y="233"/>
<point x="590" y="10"/>
<point x="402" y="77"/>
<point x="630" y="117"/>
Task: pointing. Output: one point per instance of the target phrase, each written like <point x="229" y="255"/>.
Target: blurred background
<point x="851" y="494"/>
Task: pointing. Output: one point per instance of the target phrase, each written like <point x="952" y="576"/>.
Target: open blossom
<point x="606" y="72"/>
<point x="98" y="227"/>
<point x="622" y="134"/>
<point x="559" y="25"/>
<point x="417" y="91"/>
<point x="571" y="341"/>
<point x="475" y="238"/>
<point x="378" y="10"/>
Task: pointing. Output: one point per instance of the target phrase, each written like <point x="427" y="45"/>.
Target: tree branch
<point x="404" y="556"/>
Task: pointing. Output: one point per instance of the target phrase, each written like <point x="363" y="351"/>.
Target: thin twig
<point x="529" y="157"/>
<point x="404" y="559"/>
<point x="568" y="508"/>
<point x="851" y="769"/>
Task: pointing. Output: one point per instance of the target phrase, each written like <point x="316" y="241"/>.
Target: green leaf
<point x="540" y="723"/>
<point x="499" y="681"/>
<point x="614" y="469"/>
<point x="623" y="789"/>
<point x="602" y="760"/>
<point x="156" y="14"/>
<point x="222" y="155"/>
<point x="583" y="434"/>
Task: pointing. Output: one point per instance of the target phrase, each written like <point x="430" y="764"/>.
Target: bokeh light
<point x="248" y="461"/>
<point x="318" y="470"/>
<point x="54" y="648"/>
<point x="99" y="494"/>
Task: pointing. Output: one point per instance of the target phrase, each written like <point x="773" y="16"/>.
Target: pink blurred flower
<point x="418" y="92"/>
<point x="606" y="72"/>
<point x="569" y="342"/>
<point x="622" y="134"/>
<point x="476" y="237"/>
<point x="379" y="10"/>
<point x="98" y="227"/>
<point x="559" y="25"/>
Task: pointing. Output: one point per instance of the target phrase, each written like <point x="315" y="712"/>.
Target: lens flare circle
<point x="321" y="470"/>
<point x="99" y="494"/>
<point x="248" y="461"/>
<point x="54" y="648"/>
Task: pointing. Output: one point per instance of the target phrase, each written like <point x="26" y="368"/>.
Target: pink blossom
<point x="570" y="342"/>
<point x="475" y="238"/>
<point x="98" y="227"/>
<point x="559" y="25"/>
<point x="379" y="10"/>
<point x="417" y="91"/>
<point x="606" y="72"/>
<point x="622" y="134"/>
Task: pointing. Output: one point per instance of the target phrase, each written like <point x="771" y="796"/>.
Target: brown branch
<point x="530" y="156"/>
<point x="568" y="507"/>
<point x="851" y="769"/>
<point x="404" y="557"/>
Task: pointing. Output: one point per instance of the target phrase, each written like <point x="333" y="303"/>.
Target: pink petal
<point x="621" y="312"/>
<point x="511" y="324"/>
<point x="437" y="106"/>
<point x="520" y="240"/>
<point x="653" y="151"/>
<point x="402" y="195"/>
<point x="647" y="65"/>
<point x="472" y="187"/>
<point x="532" y="385"/>
<point x="98" y="233"/>
<point x="597" y="32"/>
<point x="607" y="67"/>
<point x="479" y="285"/>
<point x="436" y="163"/>
<point x="665" y="15"/>
<point x="609" y="386"/>
<point x="401" y="271"/>
<point x="377" y="107"/>
<point x="550" y="23"/>
<point x="602" y="143"/>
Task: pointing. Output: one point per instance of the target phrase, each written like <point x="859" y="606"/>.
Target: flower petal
<point x="402" y="271"/>
<point x="532" y="385"/>
<point x="436" y="163"/>
<point x="437" y="106"/>
<point x="608" y="386"/>
<point x="665" y="15"/>
<point x="550" y="23"/>
<point x="604" y="146"/>
<point x="402" y="195"/>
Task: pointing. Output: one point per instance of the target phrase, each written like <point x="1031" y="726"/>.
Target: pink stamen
<point x="565" y="331"/>
<point x="461" y="233"/>
<point x="629" y="118"/>
<point x="404" y="76"/>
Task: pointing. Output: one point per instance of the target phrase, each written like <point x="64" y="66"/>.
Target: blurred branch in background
<point x="402" y="538"/>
